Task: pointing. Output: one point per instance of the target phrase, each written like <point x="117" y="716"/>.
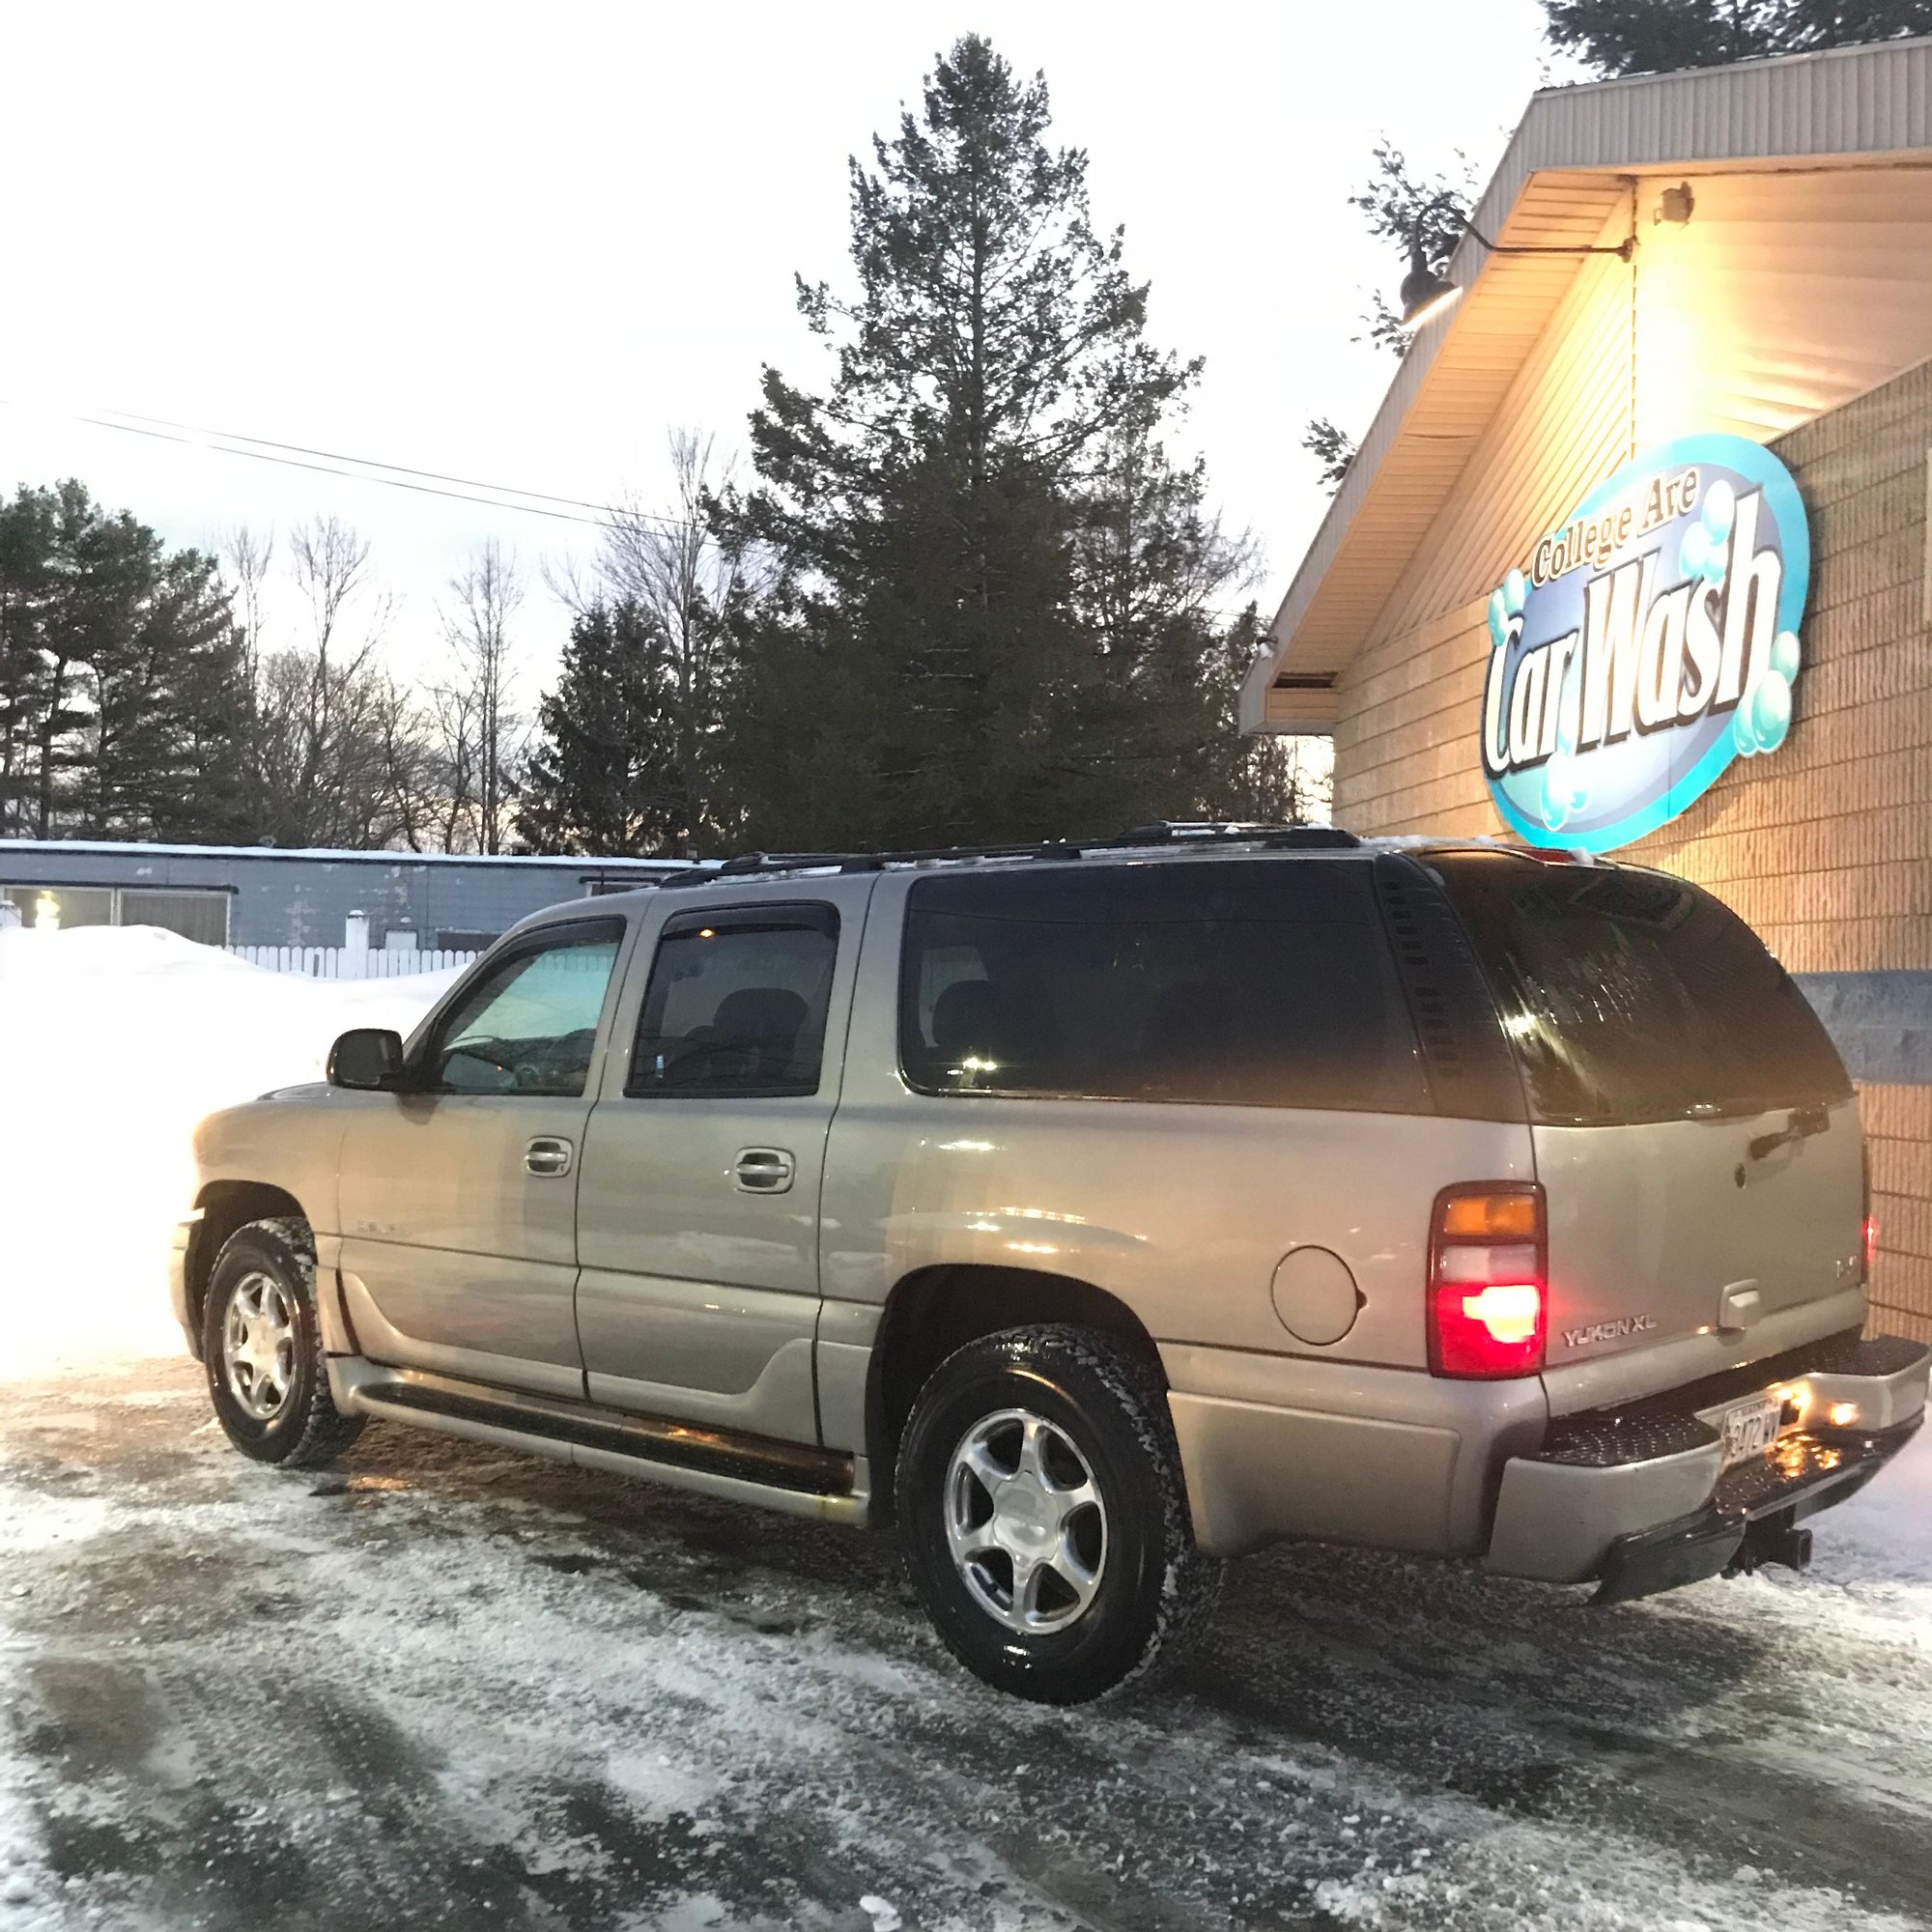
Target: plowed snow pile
<point x="114" y="1041"/>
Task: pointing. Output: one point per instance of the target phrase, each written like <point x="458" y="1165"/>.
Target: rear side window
<point x="1239" y="983"/>
<point x="1633" y="996"/>
<point x="736" y="1002"/>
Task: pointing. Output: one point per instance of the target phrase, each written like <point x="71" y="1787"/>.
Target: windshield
<point x="1633" y="996"/>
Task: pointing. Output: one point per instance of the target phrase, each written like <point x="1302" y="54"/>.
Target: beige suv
<point x="1095" y="1215"/>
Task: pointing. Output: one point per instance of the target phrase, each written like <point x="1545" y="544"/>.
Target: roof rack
<point x="1211" y="832"/>
<point x="1166" y="832"/>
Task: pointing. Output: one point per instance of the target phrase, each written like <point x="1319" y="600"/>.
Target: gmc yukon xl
<point x="1094" y="1215"/>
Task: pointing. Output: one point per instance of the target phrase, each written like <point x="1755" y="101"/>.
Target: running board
<point x="793" y="1477"/>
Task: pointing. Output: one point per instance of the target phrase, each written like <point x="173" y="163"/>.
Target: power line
<point x="161" y="429"/>
<point x="400" y="468"/>
<point x="291" y="455"/>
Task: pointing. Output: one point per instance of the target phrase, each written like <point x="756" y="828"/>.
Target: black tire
<point x="1104" y="1400"/>
<point x="302" y="1428"/>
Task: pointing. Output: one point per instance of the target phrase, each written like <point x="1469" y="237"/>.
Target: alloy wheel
<point x="258" y="1345"/>
<point x="1025" y="1522"/>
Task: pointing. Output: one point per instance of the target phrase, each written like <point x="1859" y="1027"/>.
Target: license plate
<point x="1749" y="1428"/>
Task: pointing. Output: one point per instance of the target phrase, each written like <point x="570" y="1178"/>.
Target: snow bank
<point x="114" y="1042"/>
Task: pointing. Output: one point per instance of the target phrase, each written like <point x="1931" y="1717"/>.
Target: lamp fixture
<point x="1425" y="295"/>
<point x="1423" y="292"/>
<point x="1675" y="205"/>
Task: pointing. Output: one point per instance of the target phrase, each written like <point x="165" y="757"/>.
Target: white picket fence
<point x="343" y="962"/>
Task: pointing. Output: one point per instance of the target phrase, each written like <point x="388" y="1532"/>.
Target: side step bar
<point x="793" y="1477"/>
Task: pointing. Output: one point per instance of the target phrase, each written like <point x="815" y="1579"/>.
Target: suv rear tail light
<point x="1489" y="1295"/>
<point x="1869" y="1228"/>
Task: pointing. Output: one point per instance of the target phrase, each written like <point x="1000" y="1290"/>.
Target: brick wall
<point x="1825" y="848"/>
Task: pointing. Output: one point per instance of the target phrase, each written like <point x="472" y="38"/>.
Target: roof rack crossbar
<point x="1272" y="838"/>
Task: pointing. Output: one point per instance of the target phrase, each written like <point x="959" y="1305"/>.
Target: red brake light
<point x="1489" y="1298"/>
<point x="1868" y="1232"/>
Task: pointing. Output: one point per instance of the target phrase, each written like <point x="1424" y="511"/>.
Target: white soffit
<point x="1568" y="170"/>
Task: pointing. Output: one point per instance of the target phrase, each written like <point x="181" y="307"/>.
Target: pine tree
<point x="1619" y="36"/>
<point x="983" y="594"/>
<point x="605" y="779"/>
<point x="122" y="692"/>
<point x="170" y="703"/>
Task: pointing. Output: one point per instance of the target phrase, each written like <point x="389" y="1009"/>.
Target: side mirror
<point x="367" y="1057"/>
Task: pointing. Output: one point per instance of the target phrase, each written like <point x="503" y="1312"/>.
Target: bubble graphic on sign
<point x="1565" y="790"/>
<point x="1771" y="711"/>
<point x="1719" y="510"/>
<point x="1764" y="717"/>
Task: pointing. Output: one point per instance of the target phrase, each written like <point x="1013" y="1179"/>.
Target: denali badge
<point x="1607" y="1331"/>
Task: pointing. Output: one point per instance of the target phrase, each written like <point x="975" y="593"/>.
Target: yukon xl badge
<point x="1607" y="1331"/>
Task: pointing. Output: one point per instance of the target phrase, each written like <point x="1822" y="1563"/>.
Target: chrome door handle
<point x="763" y="1171"/>
<point x="548" y="1155"/>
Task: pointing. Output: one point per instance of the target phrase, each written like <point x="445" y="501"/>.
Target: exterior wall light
<point x="1424" y="294"/>
<point x="1675" y="205"/>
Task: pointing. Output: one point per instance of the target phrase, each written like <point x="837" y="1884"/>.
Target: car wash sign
<point x="1652" y="640"/>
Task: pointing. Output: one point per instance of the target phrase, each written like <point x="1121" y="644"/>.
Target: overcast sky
<point x="519" y="243"/>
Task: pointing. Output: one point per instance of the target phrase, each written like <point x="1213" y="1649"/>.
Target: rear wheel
<point x="262" y="1345"/>
<point x="1044" y="1515"/>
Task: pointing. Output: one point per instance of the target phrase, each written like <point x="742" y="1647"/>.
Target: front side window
<point x="1239" y="983"/>
<point x="737" y="1002"/>
<point x="528" y="1022"/>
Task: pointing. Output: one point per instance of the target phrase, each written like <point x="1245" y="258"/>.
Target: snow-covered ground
<point x="445" y="1687"/>
<point x="442" y="1687"/>
<point x="114" y="1041"/>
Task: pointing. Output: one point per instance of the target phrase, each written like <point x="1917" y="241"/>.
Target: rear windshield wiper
<point x="1803" y="1122"/>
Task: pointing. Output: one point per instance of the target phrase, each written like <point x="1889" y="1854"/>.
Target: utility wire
<point x="292" y="455"/>
<point x="607" y="510"/>
<point x="267" y="451"/>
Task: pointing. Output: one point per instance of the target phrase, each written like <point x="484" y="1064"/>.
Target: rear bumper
<point x="1638" y="1501"/>
<point x="1753" y="1516"/>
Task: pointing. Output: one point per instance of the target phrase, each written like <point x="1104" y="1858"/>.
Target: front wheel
<point x="1044" y="1515"/>
<point x="262" y="1345"/>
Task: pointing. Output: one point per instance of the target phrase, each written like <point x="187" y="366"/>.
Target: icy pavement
<point x="442" y="1687"/>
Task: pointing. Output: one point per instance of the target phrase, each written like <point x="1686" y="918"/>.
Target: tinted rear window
<point x="1251" y="982"/>
<point x="1633" y="996"/>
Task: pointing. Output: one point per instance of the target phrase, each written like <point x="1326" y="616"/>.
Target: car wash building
<point x="1636" y="556"/>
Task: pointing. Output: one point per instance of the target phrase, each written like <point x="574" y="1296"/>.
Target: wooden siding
<point x="1566" y="422"/>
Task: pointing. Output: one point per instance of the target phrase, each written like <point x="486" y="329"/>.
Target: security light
<point x="1424" y="292"/>
<point x="1675" y="203"/>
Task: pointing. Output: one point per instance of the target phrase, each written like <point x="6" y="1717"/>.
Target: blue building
<point x="260" y="895"/>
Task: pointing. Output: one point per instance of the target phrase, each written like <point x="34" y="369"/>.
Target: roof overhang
<point x="1572" y="168"/>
